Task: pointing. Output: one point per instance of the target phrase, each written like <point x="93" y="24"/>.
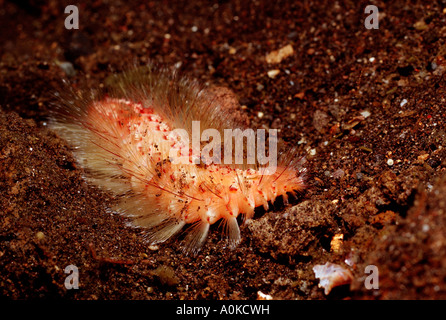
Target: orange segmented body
<point x="127" y="141"/>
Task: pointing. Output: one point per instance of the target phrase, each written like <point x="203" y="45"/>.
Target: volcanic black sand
<point x="366" y="107"/>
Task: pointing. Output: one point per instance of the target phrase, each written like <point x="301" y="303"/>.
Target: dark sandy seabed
<point x="365" y="107"/>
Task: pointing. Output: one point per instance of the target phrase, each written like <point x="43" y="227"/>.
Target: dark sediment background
<point x="366" y="107"/>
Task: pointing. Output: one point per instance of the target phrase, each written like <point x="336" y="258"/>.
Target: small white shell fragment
<point x="263" y="296"/>
<point x="403" y="102"/>
<point x="278" y="55"/>
<point x="273" y="73"/>
<point x="332" y="275"/>
<point x="390" y="162"/>
<point x="154" y="247"/>
<point x="365" y="113"/>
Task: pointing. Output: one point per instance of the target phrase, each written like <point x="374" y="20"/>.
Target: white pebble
<point x="278" y="55"/>
<point x="390" y="162"/>
<point x="263" y="296"/>
<point x="365" y="113"/>
<point x="68" y="68"/>
<point x="273" y="73"/>
<point x="332" y="275"/>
